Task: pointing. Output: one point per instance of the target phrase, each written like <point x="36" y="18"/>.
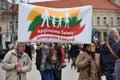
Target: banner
<point x="66" y="25"/>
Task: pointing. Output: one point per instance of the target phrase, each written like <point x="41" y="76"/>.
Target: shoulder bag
<point x="113" y="53"/>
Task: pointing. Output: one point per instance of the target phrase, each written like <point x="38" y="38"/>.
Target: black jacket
<point x="107" y="60"/>
<point x="74" y="52"/>
<point x="38" y="58"/>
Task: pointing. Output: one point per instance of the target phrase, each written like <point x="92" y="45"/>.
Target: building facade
<point x="7" y="23"/>
<point x="104" y="19"/>
<point x="106" y="14"/>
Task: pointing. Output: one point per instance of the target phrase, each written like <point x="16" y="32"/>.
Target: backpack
<point x="52" y="56"/>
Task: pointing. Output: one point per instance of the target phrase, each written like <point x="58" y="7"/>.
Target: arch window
<point x="111" y="21"/>
<point x="118" y="21"/>
<point x="98" y="21"/>
<point x="105" y="21"/>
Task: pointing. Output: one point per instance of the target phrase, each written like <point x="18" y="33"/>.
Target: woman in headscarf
<point x="88" y="63"/>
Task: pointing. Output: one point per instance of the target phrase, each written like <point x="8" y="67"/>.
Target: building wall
<point x="102" y="29"/>
<point x="108" y="14"/>
<point x="96" y="12"/>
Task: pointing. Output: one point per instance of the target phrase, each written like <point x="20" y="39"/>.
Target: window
<point x="111" y="21"/>
<point x="98" y="21"/>
<point x="105" y="21"/>
<point x="118" y="21"/>
<point x="10" y="24"/>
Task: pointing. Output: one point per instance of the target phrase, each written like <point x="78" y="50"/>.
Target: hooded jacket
<point x="8" y="65"/>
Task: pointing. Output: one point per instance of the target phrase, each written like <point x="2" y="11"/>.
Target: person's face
<point x="92" y="47"/>
<point x="95" y="41"/>
<point x="21" y="47"/>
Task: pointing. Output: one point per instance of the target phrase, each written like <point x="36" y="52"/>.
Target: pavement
<point x="67" y="73"/>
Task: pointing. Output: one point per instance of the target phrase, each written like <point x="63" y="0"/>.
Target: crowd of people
<point x="91" y="60"/>
<point x="95" y="62"/>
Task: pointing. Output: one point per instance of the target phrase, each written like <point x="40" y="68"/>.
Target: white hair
<point x="112" y="32"/>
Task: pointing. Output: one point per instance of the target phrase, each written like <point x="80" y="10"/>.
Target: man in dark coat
<point x="107" y="60"/>
<point x="57" y="67"/>
<point x="74" y="52"/>
<point x="28" y="50"/>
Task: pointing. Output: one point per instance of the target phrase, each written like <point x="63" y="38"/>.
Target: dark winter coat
<point x="74" y="52"/>
<point x="107" y="60"/>
<point x="57" y="67"/>
<point x="117" y="70"/>
<point x="38" y="58"/>
<point x="28" y="51"/>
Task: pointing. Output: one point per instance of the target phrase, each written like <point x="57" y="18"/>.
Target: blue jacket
<point x="107" y="60"/>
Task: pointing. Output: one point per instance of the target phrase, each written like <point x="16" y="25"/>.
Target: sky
<point x="17" y="1"/>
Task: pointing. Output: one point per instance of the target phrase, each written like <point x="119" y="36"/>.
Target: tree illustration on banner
<point x="66" y="23"/>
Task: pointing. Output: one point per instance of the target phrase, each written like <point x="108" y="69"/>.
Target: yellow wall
<point x="105" y="13"/>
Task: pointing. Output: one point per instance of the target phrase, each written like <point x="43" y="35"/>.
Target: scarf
<point x="19" y="54"/>
<point x="92" y="54"/>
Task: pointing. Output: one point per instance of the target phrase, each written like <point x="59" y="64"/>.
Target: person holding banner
<point x="88" y="63"/>
<point x="17" y="63"/>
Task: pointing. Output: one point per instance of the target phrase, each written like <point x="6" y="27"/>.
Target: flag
<point x="66" y="25"/>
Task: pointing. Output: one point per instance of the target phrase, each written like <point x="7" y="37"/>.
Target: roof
<point x="97" y="4"/>
<point x="101" y="4"/>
